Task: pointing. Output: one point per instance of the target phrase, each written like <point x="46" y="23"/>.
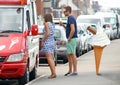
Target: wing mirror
<point x="34" y="30"/>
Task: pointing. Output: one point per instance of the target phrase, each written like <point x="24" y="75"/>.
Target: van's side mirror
<point x="34" y="30"/>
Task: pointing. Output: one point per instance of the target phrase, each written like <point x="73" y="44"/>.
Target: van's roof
<point x="88" y="16"/>
<point x="81" y="17"/>
<point x="105" y="14"/>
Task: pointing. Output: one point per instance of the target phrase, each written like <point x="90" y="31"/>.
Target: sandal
<point x="73" y="74"/>
<point x="52" y="76"/>
<point x="67" y="74"/>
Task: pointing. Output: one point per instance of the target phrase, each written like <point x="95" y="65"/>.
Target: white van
<point x="93" y="20"/>
<point x="110" y="20"/>
<point x="90" y="19"/>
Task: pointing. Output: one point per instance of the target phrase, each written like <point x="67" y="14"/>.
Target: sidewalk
<point x="109" y="69"/>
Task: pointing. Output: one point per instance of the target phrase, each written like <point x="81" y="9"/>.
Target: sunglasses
<point x="64" y="11"/>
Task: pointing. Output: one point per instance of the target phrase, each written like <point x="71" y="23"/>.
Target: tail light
<point x="58" y="43"/>
<point x="61" y="43"/>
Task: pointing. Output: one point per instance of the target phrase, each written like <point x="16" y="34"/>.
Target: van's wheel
<point x="65" y="60"/>
<point x="33" y="73"/>
<point x="78" y="53"/>
<point x="25" y="78"/>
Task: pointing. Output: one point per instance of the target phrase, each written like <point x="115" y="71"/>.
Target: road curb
<point x="30" y="83"/>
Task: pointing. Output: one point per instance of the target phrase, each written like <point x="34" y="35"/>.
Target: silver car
<point x="60" y="38"/>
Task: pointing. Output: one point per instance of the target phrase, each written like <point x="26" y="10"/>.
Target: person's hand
<point x="63" y="42"/>
<point x="60" y="23"/>
<point x="68" y="40"/>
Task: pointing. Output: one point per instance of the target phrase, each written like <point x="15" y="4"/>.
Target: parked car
<point x="60" y="38"/>
<point x="83" y="35"/>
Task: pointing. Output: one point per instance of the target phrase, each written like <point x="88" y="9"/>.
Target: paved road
<point x="109" y="70"/>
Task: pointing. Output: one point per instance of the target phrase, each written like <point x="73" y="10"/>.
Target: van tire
<point x="25" y="78"/>
<point x="33" y="73"/>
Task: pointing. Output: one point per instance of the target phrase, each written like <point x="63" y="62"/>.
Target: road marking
<point x="30" y="83"/>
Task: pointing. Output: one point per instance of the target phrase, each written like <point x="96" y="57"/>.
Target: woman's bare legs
<point x="51" y="64"/>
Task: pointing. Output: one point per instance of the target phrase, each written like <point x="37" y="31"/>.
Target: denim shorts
<point x="71" y="46"/>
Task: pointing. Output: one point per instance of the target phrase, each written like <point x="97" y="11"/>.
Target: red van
<point x="19" y="42"/>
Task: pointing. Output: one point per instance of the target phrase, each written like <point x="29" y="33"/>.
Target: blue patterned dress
<point x="49" y="44"/>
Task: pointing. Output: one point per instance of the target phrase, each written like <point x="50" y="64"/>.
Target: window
<point x="11" y="19"/>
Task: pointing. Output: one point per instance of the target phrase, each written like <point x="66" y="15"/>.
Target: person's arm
<point x="47" y="32"/>
<point x="41" y="33"/>
<point x="72" y="27"/>
<point x="61" y="24"/>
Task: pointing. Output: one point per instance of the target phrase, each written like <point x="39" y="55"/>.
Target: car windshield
<point x="110" y="20"/>
<point x="10" y="20"/>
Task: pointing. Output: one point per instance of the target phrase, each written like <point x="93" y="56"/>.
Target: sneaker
<point x="73" y="74"/>
<point x="67" y="74"/>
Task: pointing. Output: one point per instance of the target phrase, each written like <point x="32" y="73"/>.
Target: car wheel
<point x="33" y="73"/>
<point x="78" y="52"/>
<point x="65" y="61"/>
<point x="25" y="78"/>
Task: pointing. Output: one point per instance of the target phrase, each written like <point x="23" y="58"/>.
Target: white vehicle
<point x="93" y="20"/>
<point x="83" y="35"/>
<point x="110" y="20"/>
<point x="60" y="38"/>
<point x="90" y="19"/>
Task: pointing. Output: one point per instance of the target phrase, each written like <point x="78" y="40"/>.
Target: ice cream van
<point x="19" y="41"/>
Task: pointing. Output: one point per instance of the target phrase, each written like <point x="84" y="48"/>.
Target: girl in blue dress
<point x="48" y="43"/>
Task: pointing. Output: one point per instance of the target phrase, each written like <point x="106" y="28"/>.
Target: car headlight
<point x="15" y="57"/>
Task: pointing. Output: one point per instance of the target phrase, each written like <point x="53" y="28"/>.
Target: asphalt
<point x="109" y="70"/>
